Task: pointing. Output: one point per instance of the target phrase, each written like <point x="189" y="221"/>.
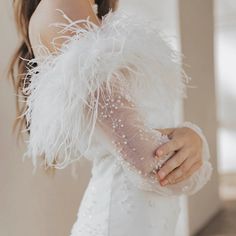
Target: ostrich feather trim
<point x="63" y="84"/>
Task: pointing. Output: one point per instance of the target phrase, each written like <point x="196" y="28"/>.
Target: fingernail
<point x="161" y="174"/>
<point x="164" y="182"/>
<point x="160" y="152"/>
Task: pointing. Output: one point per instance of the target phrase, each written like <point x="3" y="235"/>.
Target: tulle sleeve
<point x="122" y="130"/>
<point x="90" y="90"/>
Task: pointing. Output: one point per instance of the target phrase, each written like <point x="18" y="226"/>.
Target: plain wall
<point x="197" y="42"/>
<point x="30" y="205"/>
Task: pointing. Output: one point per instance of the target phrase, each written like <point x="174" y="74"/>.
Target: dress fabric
<point x="102" y="97"/>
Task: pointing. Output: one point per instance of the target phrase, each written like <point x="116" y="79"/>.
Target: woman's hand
<point x="187" y="158"/>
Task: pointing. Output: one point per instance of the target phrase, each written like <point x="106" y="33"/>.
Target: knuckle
<point x="184" y="168"/>
<point x="176" y="142"/>
<point x="171" y="179"/>
<point x="180" y="179"/>
<point x="170" y="165"/>
<point x="180" y="159"/>
<point x="164" y="170"/>
<point x="180" y="173"/>
<point x="177" y="175"/>
<point x="173" y="164"/>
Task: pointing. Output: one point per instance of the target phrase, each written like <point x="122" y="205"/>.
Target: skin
<point x="185" y="143"/>
<point x="187" y="158"/>
<point x="45" y="14"/>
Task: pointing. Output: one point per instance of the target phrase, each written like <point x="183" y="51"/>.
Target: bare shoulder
<point x="41" y="23"/>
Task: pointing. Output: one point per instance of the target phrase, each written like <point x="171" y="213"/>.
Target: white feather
<point x="63" y="83"/>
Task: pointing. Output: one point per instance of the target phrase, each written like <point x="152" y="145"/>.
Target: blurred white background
<point x="225" y="49"/>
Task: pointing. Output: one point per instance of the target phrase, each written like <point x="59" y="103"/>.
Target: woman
<point x="101" y="84"/>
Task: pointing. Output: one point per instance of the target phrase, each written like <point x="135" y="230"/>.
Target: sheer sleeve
<point x="122" y="128"/>
<point x="124" y="131"/>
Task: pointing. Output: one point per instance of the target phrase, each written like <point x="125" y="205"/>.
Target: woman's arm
<point x="124" y="131"/>
<point x="118" y="121"/>
<point x="84" y="88"/>
<point x="42" y="22"/>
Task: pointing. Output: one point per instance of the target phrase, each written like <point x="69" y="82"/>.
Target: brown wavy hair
<point x="23" y="10"/>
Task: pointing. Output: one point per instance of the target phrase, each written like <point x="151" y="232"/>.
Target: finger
<point x="167" y="131"/>
<point x="193" y="169"/>
<point x="177" y="173"/>
<point x="186" y="175"/>
<point x="174" y="162"/>
<point x="171" y="178"/>
<point x="171" y="146"/>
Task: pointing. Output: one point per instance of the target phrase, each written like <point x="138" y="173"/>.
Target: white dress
<point x="102" y="97"/>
